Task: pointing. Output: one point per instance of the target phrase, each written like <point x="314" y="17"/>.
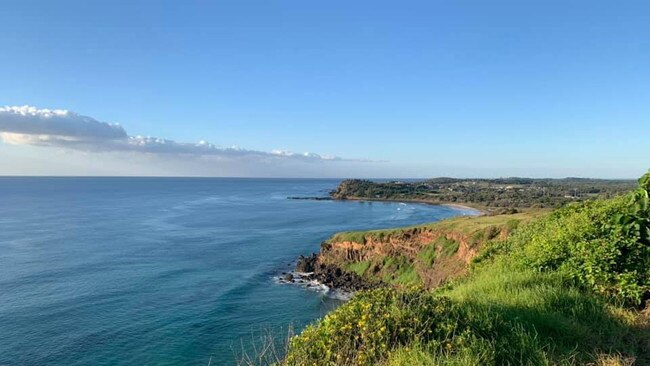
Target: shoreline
<point x="328" y="279"/>
<point x="480" y="211"/>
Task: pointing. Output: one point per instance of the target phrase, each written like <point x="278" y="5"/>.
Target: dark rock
<point x="306" y="264"/>
<point x="332" y="276"/>
<point x="311" y="198"/>
<point x="288" y="277"/>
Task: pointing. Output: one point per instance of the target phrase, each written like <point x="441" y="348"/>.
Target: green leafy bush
<point x="364" y="330"/>
<point x="601" y="244"/>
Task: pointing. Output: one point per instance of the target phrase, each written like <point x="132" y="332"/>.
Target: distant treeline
<point x="493" y="194"/>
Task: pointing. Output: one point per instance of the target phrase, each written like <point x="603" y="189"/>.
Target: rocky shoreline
<point x="331" y="275"/>
<point x="312" y="273"/>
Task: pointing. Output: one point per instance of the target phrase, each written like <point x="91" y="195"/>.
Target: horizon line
<point x="306" y="178"/>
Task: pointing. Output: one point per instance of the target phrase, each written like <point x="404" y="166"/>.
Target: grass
<point x="399" y="271"/>
<point x="467" y="225"/>
<point x="359" y="268"/>
<point x="448" y="246"/>
<point x="391" y="270"/>
<point x="519" y="317"/>
<point x="427" y="255"/>
<point x="353" y="236"/>
<point x="473" y="354"/>
<point x="564" y="323"/>
<point x="501" y="315"/>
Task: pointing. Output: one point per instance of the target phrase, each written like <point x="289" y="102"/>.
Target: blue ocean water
<point x="163" y="271"/>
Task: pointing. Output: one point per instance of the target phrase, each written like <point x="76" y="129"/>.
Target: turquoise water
<point x="164" y="271"/>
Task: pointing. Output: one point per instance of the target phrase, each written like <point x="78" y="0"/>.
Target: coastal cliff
<point x="425" y="255"/>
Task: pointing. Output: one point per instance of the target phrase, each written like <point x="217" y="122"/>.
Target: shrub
<point x="601" y="244"/>
<point x="373" y="323"/>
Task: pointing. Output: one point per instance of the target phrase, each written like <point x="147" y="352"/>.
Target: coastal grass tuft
<point x="351" y="236"/>
<point x="359" y="268"/>
<point x="448" y="247"/>
<point x="427" y="255"/>
<point x="399" y="271"/>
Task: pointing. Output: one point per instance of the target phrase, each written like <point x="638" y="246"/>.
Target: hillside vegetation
<point x="492" y="195"/>
<point x="565" y="288"/>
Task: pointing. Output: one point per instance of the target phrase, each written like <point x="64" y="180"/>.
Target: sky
<point x="408" y="89"/>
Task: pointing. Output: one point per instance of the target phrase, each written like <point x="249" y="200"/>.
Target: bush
<point x="364" y="330"/>
<point x="601" y="244"/>
<point x="500" y="316"/>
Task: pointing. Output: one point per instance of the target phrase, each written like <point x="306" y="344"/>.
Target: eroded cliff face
<point x="428" y="255"/>
<point x="408" y="243"/>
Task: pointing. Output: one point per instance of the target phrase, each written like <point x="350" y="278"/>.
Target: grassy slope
<point x="524" y="317"/>
<point x="464" y="224"/>
<point x="540" y="298"/>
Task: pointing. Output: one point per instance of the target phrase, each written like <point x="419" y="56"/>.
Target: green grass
<point x="407" y="275"/>
<point x="353" y="236"/>
<point x="566" y="323"/>
<point x="474" y="353"/>
<point x="448" y="247"/>
<point x="502" y="315"/>
<point x="519" y="317"/>
<point x="359" y="268"/>
<point x="427" y="255"/>
<point x="467" y="225"/>
<point x="399" y="271"/>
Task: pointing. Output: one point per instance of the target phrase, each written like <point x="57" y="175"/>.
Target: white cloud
<point x="28" y="125"/>
<point x="57" y="122"/>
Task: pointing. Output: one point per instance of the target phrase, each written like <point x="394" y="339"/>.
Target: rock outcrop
<point x="331" y="275"/>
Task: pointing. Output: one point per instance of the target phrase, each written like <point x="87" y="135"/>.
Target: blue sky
<point x="394" y="89"/>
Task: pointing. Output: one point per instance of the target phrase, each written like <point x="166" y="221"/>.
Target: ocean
<point x="164" y="271"/>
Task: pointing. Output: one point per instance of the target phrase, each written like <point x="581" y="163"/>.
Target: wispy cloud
<point x="26" y="125"/>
